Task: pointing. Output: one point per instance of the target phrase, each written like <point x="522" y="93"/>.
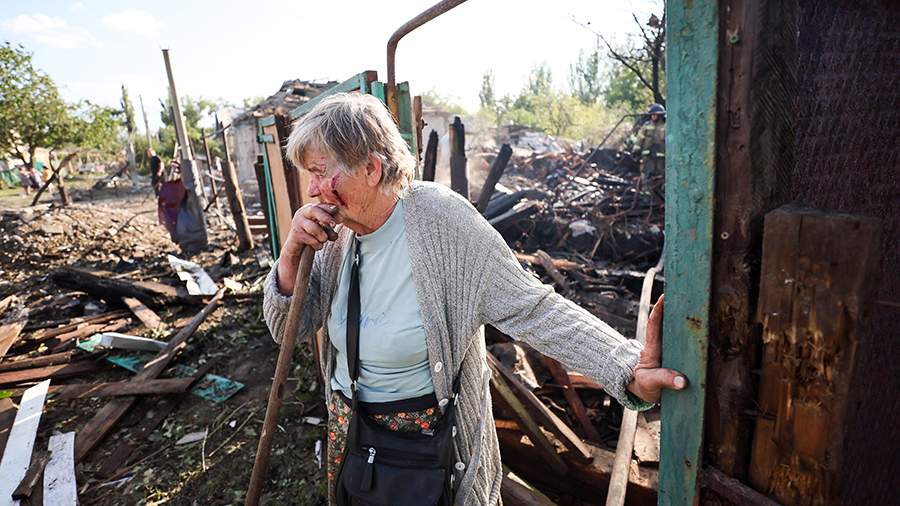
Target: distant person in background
<point x="25" y="180"/>
<point x="37" y="181"/>
<point x="155" y="170"/>
<point x="170" y="195"/>
<point x="650" y="147"/>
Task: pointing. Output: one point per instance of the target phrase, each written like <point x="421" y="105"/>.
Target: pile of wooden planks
<point x="43" y="359"/>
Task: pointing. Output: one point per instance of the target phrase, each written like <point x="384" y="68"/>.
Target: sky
<point x="238" y="49"/>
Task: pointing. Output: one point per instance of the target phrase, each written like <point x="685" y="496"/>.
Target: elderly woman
<point x="429" y="272"/>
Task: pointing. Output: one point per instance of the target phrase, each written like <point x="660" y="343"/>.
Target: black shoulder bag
<point x="383" y="467"/>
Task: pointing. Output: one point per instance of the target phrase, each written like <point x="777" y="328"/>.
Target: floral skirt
<point x="339" y="423"/>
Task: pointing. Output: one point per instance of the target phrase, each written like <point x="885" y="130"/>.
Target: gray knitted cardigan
<point x="466" y="277"/>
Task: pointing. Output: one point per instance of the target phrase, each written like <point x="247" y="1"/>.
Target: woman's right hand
<point x="312" y="225"/>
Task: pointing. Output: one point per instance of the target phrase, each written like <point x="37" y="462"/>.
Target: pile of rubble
<point x="94" y="311"/>
<point x="588" y="225"/>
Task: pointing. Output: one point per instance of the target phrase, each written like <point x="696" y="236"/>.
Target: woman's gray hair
<point x="351" y="127"/>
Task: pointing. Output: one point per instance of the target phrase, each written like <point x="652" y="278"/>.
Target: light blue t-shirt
<point x="392" y="352"/>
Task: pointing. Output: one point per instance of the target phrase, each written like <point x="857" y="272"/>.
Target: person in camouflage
<point x="650" y="147"/>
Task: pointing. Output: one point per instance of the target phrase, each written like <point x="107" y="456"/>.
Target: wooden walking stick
<point x="282" y="368"/>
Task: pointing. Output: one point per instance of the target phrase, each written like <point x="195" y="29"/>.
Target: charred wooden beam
<point x="493" y="177"/>
<point x="430" y="163"/>
<point x="459" y="177"/>
<point x="102" y="284"/>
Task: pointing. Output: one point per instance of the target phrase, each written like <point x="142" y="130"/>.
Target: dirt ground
<point x="115" y="229"/>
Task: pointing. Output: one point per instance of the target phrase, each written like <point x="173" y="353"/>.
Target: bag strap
<point x="353" y="312"/>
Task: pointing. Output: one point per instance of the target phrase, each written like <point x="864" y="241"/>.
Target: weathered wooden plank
<point x="754" y="160"/>
<point x="53" y="371"/>
<point x="28" y="363"/>
<point x="517" y="492"/>
<point x="814" y="296"/>
<point x="282" y="199"/>
<point x="103" y="284"/>
<point x="113" y="389"/>
<point x="587" y="481"/>
<point x="542" y="413"/>
<point x="618" y="481"/>
<point x="104" y="420"/>
<point x="60" y="343"/>
<point x="7" y="417"/>
<point x="59" y="475"/>
<point x="78" y="323"/>
<point x="561" y="377"/>
<point x="143" y="313"/>
<point x="692" y="30"/>
<point x="10" y="328"/>
<point x="507" y="400"/>
<point x="17" y="454"/>
<point x="731" y="489"/>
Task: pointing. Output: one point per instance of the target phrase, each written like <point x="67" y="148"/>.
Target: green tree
<point x="623" y="89"/>
<point x="194" y="111"/>
<point x="433" y="99"/>
<point x="584" y="77"/>
<point x="32" y="112"/>
<point x="646" y="58"/>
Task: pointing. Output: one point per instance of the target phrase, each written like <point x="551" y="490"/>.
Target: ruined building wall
<point x="848" y="159"/>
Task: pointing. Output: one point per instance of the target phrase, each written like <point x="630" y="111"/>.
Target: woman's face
<point x="351" y="194"/>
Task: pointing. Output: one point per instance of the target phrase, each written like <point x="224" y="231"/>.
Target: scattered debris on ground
<point x="160" y="363"/>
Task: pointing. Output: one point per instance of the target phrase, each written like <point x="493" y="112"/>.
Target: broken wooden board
<point x="17" y="454"/>
<point x="212" y="387"/>
<point x="53" y="371"/>
<point x="104" y="285"/>
<point x="10" y="328"/>
<point x="586" y="481"/>
<point x="143" y="313"/>
<point x="78" y="323"/>
<point x="542" y="414"/>
<point x="517" y="492"/>
<point x="504" y="397"/>
<point x="814" y="296"/>
<point x="59" y="475"/>
<point x="28" y="363"/>
<point x="646" y="439"/>
<point x="102" y="422"/>
<point x="113" y="389"/>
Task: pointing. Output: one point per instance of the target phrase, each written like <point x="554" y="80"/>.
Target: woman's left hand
<point x="649" y="378"/>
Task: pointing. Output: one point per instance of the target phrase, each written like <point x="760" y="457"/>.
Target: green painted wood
<point x="264" y="138"/>
<point x="266" y="121"/>
<point x="360" y="82"/>
<point x="378" y="91"/>
<point x="270" y="196"/>
<point x="691" y="55"/>
<point x="406" y="122"/>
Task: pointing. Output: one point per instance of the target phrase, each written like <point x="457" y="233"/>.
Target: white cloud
<point x="77" y="6"/>
<point x="133" y="20"/>
<point x="49" y="30"/>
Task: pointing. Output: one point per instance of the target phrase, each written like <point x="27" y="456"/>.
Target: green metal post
<point x="692" y="57"/>
<point x="270" y="194"/>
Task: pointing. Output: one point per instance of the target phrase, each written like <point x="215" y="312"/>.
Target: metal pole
<point x="426" y="16"/>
